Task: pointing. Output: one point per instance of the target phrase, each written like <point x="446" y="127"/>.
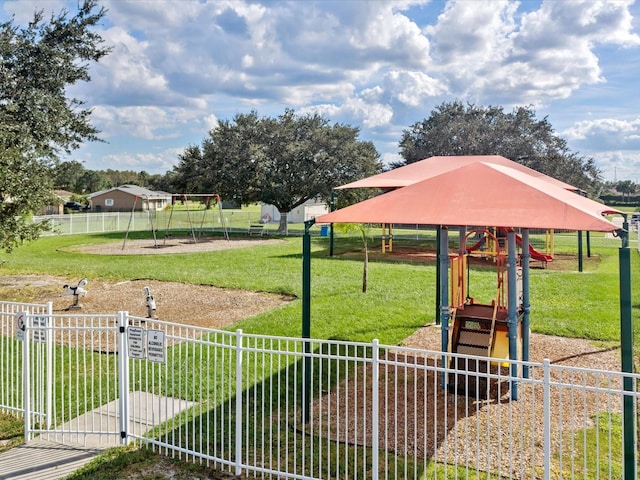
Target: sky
<point x="178" y="67"/>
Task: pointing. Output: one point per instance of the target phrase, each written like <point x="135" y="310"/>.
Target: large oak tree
<point x="282" y="161"/>
<point x="38" y="121"/>
<point x="454" y="128"/>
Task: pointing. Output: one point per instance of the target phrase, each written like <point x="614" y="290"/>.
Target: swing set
<point x="196" y="226"/>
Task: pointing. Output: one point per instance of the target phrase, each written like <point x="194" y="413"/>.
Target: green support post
<point x="438" y="273"/>
<point x="443" y="286"/>
<point x="626" y="344"/>
<point x="526" y="301"/>
<point x="306" y="321"/>
<point x="580" y="250"/>
<point x="332" y="207"/>
<point x="512" y="310"/>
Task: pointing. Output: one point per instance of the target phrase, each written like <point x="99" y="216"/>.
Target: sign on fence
<point x="155" y="346"/>
<point x="20" y="325"/>
<point x="135" y="339"/>
<point x="40" y="334"/>
<point x="40" y="324"/>
<point x="146" y="343"/>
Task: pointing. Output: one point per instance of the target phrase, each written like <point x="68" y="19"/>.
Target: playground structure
<point x="196" y="228"/>
<point x="543" y="257"/>
<point x="482" y="329"/>
<point x="387" y="237"/>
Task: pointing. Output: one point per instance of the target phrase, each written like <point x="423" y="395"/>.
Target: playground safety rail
<point x="235" y="401"/>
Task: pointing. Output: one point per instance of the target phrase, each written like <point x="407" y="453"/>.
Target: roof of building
<point x="480" y="193"/>
<point x="134" y="190"/>
<point x="432" y="166"/>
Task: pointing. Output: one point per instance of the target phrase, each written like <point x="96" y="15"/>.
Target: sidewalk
<point x="55" y="456"/>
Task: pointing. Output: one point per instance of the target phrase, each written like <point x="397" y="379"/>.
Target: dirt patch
<point x="172" y="245"/>
<point x="198" y="305"/>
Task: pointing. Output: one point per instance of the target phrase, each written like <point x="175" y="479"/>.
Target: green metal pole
<point x="443" y="259"/>
<point x="512" y="310"/>
<point x="626" y="344"/>
<point x="588" y="244"/>
<point x="580" y="250"/>
<point x="306" y="321"/>
<point x="438" y="272"/>
<point x="526" y="301"/>
<point x="332" y="207"/>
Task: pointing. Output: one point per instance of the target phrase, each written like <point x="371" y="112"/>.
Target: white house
<point x="308" y="210"/>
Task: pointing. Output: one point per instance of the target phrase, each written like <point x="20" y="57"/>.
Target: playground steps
<point x="474" y="329"/>
<point x="474" y="342"/>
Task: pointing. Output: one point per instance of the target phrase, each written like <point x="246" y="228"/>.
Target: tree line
<point x="284" y="160"/>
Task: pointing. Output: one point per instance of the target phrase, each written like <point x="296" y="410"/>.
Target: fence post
<point x="123" y="370"/>
<point x="375" y="379"/>
<point x="26" y="375"/>
<point x="49" y="361"/>
<point x="546" y="402"/>
<point x="238" y="403"/>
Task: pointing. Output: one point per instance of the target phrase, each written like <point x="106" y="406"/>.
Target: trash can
<point x="324" y="231"/>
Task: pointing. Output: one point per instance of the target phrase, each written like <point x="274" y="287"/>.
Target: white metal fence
<point x="11" y="366"/>
<point x="103" y="222"/>
<point x="289" y="408"/>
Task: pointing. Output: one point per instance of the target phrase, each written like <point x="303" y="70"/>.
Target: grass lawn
<point x="400" y="298"/>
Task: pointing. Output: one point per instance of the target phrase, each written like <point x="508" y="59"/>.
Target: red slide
<point x="535" y="254"/>
<point x="472" y="248"/>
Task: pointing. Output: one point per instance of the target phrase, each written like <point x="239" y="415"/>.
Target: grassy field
<point x="401" y="295"/>
<point x="400" y="298"/>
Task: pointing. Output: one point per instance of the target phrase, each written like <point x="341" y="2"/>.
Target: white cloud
<point x="143" y="122"/>
<point x="619" y="165"/>
<point x="150" y="162"/>
<point x="178" y="66"/>
<point x="489" y="56"/>
<point x="607" y="133"/>
<point x="211" y="122"/>
<point x="613" y="143"/>
<point x="412" y="88"/>
<point x="358" y="110"/>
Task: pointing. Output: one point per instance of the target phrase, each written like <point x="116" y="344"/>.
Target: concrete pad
<point x="56" y="455"/>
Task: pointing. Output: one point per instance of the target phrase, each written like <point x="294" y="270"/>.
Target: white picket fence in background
<point x="104" y="222"/>
<point x="291" y="408"/>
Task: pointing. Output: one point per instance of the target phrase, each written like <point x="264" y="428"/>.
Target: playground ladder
<point x="476" y="341"/>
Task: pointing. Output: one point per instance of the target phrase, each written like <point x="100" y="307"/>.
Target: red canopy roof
<point x="480" y="193"/>
<point x="432" y="166"/>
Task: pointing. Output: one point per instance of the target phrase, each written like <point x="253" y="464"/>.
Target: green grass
<point x="11" y="431"/>
<point x="592" y="446"/>
<point x="400" y="299"/>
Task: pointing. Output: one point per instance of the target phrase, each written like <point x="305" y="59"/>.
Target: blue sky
<point x="179" y="66"/>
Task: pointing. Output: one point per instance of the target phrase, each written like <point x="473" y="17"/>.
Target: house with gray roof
<point x="127" y="198"/>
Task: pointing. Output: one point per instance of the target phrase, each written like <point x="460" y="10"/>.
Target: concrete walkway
<point x="55" y="456"/>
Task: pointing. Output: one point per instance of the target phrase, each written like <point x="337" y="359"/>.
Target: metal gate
<point x="71" y="378"/>
<point x="95" y="380"/>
